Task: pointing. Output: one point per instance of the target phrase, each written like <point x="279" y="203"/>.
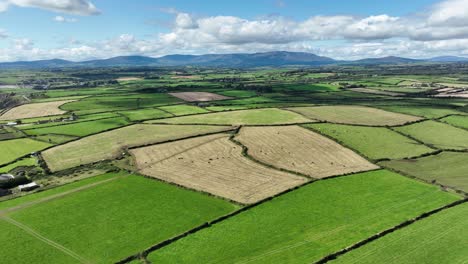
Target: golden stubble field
<point x="213" y="164"/>
<point x="35" y="110"/>
<point x="109" y="145"/>
<point x="298" y="149"/>
<point x="199" y="96"/>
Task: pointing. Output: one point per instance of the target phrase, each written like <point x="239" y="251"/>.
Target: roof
<point x="6" y="177"/>
<point x="29" y="185"/>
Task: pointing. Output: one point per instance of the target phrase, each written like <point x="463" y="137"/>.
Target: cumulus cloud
<point x="62" y="19"/>
<point x="75" y="7"/>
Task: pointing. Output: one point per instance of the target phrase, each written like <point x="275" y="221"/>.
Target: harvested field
<point x="297" y="149"/>
<point x="34" y="110"/>
<point x="358" y="115"/>
<point x="109" y="144"/>
<point x="128" y="79"/>
<point x="270" y="116"/>
<point x="216" y="165"/>
<point x="199" y="96"/>
<point x="440" y="238"/>
<point x="309" y="223"/>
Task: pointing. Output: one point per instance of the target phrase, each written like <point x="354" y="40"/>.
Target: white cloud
<point x="449" y="13"/>
<point x="62" y="19"/>
<point x="75" y="7"/>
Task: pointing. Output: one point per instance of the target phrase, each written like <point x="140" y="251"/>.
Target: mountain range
<point x="237" y="60"/>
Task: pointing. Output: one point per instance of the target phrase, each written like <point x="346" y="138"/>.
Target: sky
<point x="89" y="29"/>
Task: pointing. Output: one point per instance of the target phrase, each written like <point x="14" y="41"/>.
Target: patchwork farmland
<point x="195" y="165"/>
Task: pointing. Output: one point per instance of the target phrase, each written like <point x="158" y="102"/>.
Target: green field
<point x="183" y="109"/>
<point x="458" y="121"/>
<point x="440" y="238"/>
<point x="446" y="168"/>
<point x="437" y="134"/>
<point x="15" y="148"/>
<point x="119" y="216"/>
<point x="144" y="114"/>
<point x="298" y="228"/>
<point x="19" y="163"/>
<point x="249" y="117"/>
<point x="109" y="145"/>
<point x="423" y="111"/>
<point x="373" y="142"/>
<point x="80" y="128"/>
<point x="357" y="115"/>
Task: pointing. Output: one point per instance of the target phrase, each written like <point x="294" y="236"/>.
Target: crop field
<point x="110" y="144"/>
<point x="144" y="114"/>
<point x="437" y="134"/>
<point x="373" y="142"/>
<point x="297" y="149"/>
<point x="206" y="164"/>
<point x="34" y="110"/>
<point x="199" y="96"/>
<point x="423" y="111"/>
<point x="16" y="148"/>
<point x="297" y="228"/>
<point x="269" y="116"/>
<point x="458" y="121"/>
<point x="81" y="128"/>
<point x="114" y="215"/>
<point x="183" y="109"/>
<point x="200" y="164"/>
<point x="358" y="115"/>
<point x="446" y="168"/>
<point x="441" y="238"/>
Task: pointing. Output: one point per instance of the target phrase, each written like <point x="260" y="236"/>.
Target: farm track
<point x="4" y="212"/>
<point x="51" y="243"/>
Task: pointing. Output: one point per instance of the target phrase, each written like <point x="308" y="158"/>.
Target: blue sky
<point x="84" y="29"/>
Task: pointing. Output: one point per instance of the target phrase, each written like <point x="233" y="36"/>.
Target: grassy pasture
<point x="120" y="216"/>
<point x="440" y="238"/>
<point x="120" y="102"/>
<point x="20" y="163"/>
<point x="319" y="87"/>
<point x="438" y="134"/>
<point x="447" y="168"/>
<point x="183" y="109"/>
<point x="109" y="144"/>
<point x="207" y="164"/>
<point x="358" y="115"/>
<point x="309" y="223"/>
<point x="238" y="93"/>
<point x="297" y="149"/>
<point x="423" y="111"/>
<point x="249" y="117"/>
<point x="143" y="114"/>
<point x="373" y="142"/>
<point x="15" y="148"/>
<point x="459" y="121"/>
<point x="80" y="128"/>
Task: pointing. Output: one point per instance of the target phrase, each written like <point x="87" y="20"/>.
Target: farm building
<point x="4" y="192"/>
<point x="6" y="177"/>
<point x="28" y="187"/>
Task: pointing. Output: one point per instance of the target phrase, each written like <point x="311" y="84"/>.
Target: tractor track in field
<point x="51" y="243"/>
<point x="4" y="212"/>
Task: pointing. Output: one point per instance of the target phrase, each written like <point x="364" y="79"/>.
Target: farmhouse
<point x="28" y="187"/>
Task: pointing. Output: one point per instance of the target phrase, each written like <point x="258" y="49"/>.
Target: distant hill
<point x="448" y="59"/>
<point x="236" y="60"/>
<point x="386" y="60"/>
